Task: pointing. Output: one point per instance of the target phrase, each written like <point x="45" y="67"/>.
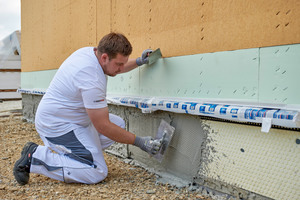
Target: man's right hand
<point x="144" y="59"/>
<point x="148" y="144"/>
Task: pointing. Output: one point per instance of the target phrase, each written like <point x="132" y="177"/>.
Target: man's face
<point x="112" y="67"/>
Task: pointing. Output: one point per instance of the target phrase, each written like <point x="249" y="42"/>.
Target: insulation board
<point x="264" y="163"/>
<point x="279" y="74"/>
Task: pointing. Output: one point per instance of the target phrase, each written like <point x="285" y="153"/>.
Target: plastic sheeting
<point x="10" y="45"/>
<point x="264" y="116"/>
<point x="32" y="91"/>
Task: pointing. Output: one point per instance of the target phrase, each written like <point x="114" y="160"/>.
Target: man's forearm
<point x="117" y="134"/>
<point x="100" y="120"/>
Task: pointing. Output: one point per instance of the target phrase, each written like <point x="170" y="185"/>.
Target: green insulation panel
<point x="37" y="79"/>
<point x="260" y="75"/>
<point x="279" y="74"/>
<point x="223" y="75"/>
<point x="125" y="84"/>
<point x="204" y="76"/>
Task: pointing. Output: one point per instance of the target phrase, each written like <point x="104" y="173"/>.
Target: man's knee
<point x="122" y="123"/>
<point x="117" y="120"/>
<point x="98" y="176"/>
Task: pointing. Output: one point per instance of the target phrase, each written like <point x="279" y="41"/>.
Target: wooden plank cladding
<point x="10" y="70"/>
<point x="8" y="90"/>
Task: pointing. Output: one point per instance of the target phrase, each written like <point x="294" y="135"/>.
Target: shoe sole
<point x="23" y="156"/>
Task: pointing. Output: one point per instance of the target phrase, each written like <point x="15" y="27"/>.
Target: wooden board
<point x="52" y="30"/>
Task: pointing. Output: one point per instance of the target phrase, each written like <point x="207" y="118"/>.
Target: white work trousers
<point x="78" y="156"/>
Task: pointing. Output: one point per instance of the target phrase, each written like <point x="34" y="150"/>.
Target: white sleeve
<point x="93" y="98"/>
<point x="92" y="89"/>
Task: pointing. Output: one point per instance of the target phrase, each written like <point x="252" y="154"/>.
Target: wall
<point x="197" y="39"/>
<point x="188" y="27"/>
<point x="260" y="76"/>
<point x="232" y="158"/>
<point x="237" y="160"/>
<point x="243" y="156"/>
<point x="52" y="30"/>
<point x="250" y="76"/>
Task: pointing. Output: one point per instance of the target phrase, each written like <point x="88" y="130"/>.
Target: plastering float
<point x="165" y="132"/>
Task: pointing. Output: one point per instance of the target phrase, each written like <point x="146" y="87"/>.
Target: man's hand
<point x="144" y="59"/>
<point x="148" y="144"/>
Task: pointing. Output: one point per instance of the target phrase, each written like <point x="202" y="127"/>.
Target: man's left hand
<point x="144" y="59"/>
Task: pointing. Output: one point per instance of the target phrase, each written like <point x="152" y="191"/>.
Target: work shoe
<point x="22" y="166"/>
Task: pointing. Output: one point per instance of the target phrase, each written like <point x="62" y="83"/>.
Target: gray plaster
<point x="182" y="158"/>
<point x="29" y="106"/>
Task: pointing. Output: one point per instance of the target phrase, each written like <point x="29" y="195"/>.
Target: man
<point x="73" y="120"/>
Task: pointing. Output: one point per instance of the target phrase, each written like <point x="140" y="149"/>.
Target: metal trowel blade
<point x="165" y="133"/>
<point x="154" y="56"/>
<point x="164" y="143"/>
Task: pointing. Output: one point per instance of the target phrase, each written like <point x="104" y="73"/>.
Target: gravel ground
<point x="124" y="181"/>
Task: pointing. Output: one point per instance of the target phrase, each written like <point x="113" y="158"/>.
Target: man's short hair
<point x="114" y="43"/>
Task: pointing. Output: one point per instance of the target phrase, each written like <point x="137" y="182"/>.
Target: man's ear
<point x="104" y="57"/>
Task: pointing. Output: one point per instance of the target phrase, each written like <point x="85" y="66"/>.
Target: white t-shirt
<point x="78" y="84"/>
